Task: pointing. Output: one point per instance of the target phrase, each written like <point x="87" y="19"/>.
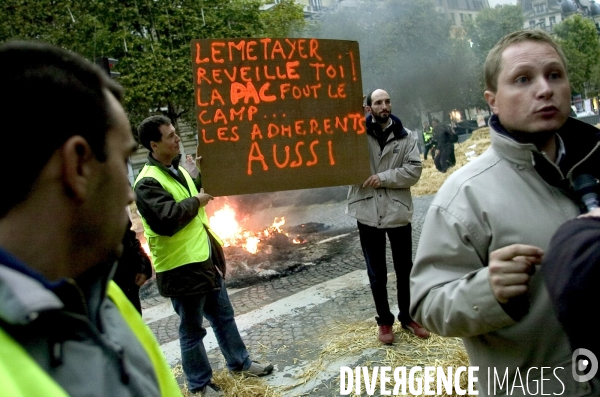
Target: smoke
<point x="406" y="48"/>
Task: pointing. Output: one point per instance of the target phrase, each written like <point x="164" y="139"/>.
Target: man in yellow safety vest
<point x="65" y="329"/>
<point x="187" y="257"/>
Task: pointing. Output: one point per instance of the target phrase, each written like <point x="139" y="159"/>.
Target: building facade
<point x="460" y="11"/>
<point x="545" y="14"/>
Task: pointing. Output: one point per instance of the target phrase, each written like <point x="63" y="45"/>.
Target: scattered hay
<point x="407" y="351"/>
<point x="237" y="385"/>
<point x="432" y="179"/>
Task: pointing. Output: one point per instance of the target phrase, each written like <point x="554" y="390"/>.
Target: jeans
<point x="217" y="309"/>
<point x="373" y="243"/>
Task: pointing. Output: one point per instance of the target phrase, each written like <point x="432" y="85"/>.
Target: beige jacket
<point x="497" y="200"/>
<point x="398" y="167"/>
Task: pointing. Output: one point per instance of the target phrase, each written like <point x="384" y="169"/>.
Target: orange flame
<point x="225" y="225"/>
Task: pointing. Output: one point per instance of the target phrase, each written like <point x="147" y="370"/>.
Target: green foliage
<point x="283" y="19"/>
<point x="491" y="25"/>
<point x="150" y="38"/>
<point x="578" y="38"/>
<point x="485" y="31"/>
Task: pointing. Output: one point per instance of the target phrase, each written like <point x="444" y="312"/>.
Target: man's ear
<point x="153" y="146"/>
<point x="78" y="160"/>
<point x="490" y="97"/>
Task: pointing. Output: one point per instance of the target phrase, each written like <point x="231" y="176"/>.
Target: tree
<point x="406" y="48"/>
<point x="578" y="38"/>
<point x="490" y="26"/>
<point x="484" y="32"/>
<point x="151" y="39"/>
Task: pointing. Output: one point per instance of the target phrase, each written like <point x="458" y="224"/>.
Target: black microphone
<point x="586" y="186"/>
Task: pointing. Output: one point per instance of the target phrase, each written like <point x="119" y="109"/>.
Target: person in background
<point x="133" y="268"/>
<point x="444" y="146"/>
<point x="382" y="206"/>
<point x="190" y="166"/>
<point x="188" y="257"/>
<point x="427" y="139"/>
<point x="65" y="329"/>
<point x="477" y="267"/>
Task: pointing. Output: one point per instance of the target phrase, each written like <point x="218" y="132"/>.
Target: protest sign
<point x="279" y="114"/>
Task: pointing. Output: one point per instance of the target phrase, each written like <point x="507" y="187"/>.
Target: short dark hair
<point x="148" y="130"/>
<point x="49" y="94"/>
<point x="369" y="100"/>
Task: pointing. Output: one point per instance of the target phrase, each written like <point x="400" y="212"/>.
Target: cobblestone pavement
<point x="282" y="320"/>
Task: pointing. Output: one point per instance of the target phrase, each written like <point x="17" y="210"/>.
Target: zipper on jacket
<point x="570" y="173"/>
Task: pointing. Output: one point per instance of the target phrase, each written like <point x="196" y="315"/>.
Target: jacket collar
<point x="25" y="293"/>
<point x="582" y="151"/>
<point x="179" y="178"/>
<point x="23" y="297"/>
<point x="154" y="162"/>
<point x="508" y="147"/>
<point x="397" y="127"/>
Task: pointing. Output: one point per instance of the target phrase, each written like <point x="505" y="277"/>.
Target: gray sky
<point x="493" y="3"/>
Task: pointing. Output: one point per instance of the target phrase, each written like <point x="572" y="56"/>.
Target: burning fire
<point x="225" y="225"/>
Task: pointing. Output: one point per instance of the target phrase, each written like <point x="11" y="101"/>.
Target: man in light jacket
<point x="382" y="206"/>
<point x="476" y="268"/>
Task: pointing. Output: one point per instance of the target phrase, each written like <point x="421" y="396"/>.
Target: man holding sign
<point x="187" y="257"/>
<point x="383" y="205"/>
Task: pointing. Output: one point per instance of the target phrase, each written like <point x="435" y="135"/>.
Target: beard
<point x="381" y="119"/>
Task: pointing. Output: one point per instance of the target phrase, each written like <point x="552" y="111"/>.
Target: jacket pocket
<point x="361" y="204"/>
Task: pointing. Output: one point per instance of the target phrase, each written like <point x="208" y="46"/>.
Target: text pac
<point x="279" y="114"/>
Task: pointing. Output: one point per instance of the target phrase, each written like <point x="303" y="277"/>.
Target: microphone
<point x="586" y="186"/>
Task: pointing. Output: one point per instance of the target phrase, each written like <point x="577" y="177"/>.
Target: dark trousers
<point x="132" y="292"/>
<point x="373" y="243"/>
<point x="445" y="158"/>
<point x="427" y="149"/>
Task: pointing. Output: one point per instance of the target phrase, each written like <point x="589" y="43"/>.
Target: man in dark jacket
<point x="382" y="206"/>
<point x="187" y="256"/>
<point x="444" y="147"/>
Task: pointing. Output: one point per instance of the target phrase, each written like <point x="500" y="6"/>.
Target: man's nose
<point x="544" y="88"/>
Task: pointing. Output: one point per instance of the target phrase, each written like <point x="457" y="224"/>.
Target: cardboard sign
<point x="279" y="114"/>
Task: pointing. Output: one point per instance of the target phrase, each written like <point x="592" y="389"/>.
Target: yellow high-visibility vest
<point x="21" y="375"/>
<point x="190" y="244"/>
